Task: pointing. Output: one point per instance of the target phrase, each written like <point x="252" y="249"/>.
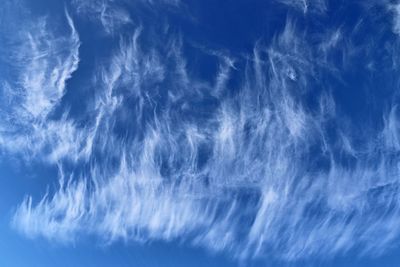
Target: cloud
<point x="111" y="16"/>
<point x="247" y="167"/>
<point x="43" y="62"/>
<point x="396" y="17"/>
<point x="305" y="6"/>
<point x="390" y="132"/>
<point x="59" y="219"/>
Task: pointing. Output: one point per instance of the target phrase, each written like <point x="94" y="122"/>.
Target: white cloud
<point x="111" y="16"/>
<point x="256" y="173"/>
<point x="44" y="61"/>
<point x="391" y="130"/>
<point x="306" y="5"/>
<point x="396" y="17"/>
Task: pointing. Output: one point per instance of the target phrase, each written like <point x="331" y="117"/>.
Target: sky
<point x="199" y="133"/>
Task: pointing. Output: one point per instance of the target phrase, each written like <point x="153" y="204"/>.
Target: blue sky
<point x="199" y="133"/>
